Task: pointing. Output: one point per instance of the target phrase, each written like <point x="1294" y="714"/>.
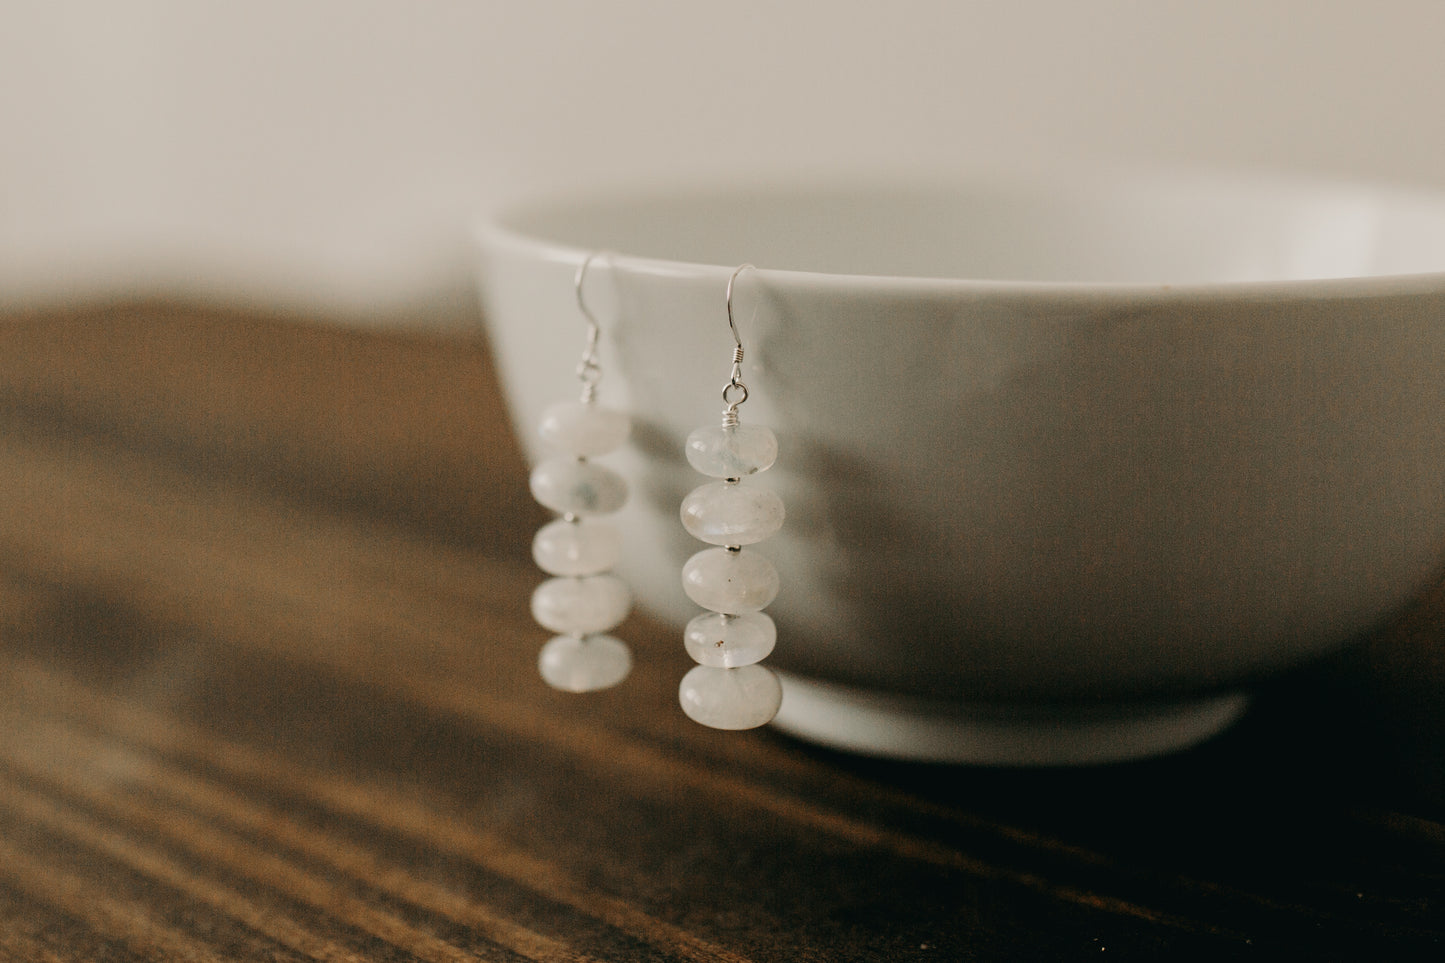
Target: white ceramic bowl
<point x="1068" y="464"/>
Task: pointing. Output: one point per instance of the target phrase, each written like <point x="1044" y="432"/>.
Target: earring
<point x="582" y="600"/>
<point x="728" y="689"/>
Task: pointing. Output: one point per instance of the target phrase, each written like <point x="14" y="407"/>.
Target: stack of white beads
<point x="582" y="601"/>
<point x="728" y="689"/>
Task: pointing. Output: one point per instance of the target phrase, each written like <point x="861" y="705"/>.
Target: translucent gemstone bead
<point x="579" y="606"/>
<point x="571" y="486"/>
<point x="584" y="665"/>
<point x="732" y="582"/>
<point x="726" y="513"/>
<point x="584" y="430"/>
<point x="734" y="452"/>
<point x="742" y="698"/>
<point x="729" y="641"/>
<point x="587" y="546"/>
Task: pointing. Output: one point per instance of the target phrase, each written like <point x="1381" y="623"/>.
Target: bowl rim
<point x="494" y="227"/>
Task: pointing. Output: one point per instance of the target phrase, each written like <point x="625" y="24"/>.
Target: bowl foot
<point x="996" y="734"/>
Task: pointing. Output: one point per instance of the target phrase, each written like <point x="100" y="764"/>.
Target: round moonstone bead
<point x="572" y="486"/>
<point x="578" y="606"/>
<point x="587" y="546"/>
<point x="733" y="452"/>
<point x="732" y="582"/>
<point x="729" y="641"/>
<point x="584" y="665"/>
<point x="742" y="698"/>
<point x="726" y="513"/>
<point x="582" y="429"/>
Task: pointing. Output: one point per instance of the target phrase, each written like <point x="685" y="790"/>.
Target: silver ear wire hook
<point x="731" y="323"/>
<point x="734" y="392"/>
<point x="589" y="372"/>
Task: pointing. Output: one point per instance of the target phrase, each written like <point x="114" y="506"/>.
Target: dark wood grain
<point x="267" y="691"/>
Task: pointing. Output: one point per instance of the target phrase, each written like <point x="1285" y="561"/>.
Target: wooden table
<point x="267" y="691"/>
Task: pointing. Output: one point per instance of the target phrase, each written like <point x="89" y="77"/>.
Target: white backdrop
<point x="327" y="153"/>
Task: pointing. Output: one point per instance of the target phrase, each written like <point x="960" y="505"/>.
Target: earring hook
<point x="734" y="392"/>
<point x="732" y="324"/>
<point x="589" y="372"/>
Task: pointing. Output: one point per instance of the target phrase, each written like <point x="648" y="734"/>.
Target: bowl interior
<point x="1138" y="229"/>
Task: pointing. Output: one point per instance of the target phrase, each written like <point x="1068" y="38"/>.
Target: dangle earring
<point x="582" y="600"/>
<point x="728" y="689"/>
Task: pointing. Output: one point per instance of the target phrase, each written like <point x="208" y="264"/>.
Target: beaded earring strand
<point x="582" y="600"/>
<point x="728" y="689"/>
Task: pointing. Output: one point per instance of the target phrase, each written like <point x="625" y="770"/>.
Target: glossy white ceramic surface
<point x="1042" y="444"/>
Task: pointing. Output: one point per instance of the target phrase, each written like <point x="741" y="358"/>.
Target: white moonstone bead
<point x="572" y="486"/>
<point x="732" y="582"/>
<point x="582" y="429"/>
<point x="726" y="513"/>
<point x="742" y="698"/>
<point x="587" y="546"/>
<point x="729" y="641"/>
<point x="579" y="606"/>
<point x="733" y="452"/>
<point x="584" y="665"/>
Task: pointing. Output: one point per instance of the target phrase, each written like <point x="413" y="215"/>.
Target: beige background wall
<point x="328" y="152"/>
